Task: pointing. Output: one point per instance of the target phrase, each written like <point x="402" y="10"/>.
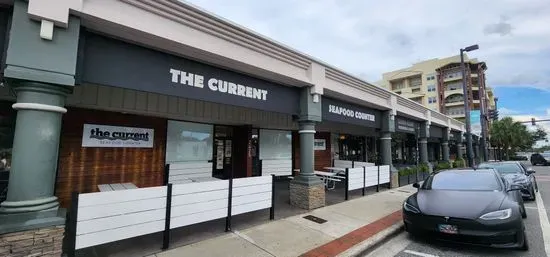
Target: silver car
<point x="516" y="173"/>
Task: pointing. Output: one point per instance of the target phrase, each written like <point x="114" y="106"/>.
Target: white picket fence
<point x="277" y="167"/>
<point x="343" y="164"/>
<point x="362" y="177"/>
<point x="188" y="172"/>
<point x="103" y="217"/>
<point x="351" y="164"/>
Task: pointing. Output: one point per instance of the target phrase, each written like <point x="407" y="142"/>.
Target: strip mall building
<point x="97" y="92"/>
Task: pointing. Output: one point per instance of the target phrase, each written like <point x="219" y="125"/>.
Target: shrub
<point x="404" y="172"/>
<point x="423" y="167"/>
<point x="443" y="166"/>
<point x="459" y="163"/>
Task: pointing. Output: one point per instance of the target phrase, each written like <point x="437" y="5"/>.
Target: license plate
<point x="448" y="229"/>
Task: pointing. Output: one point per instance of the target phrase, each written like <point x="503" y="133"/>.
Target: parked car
<point x="516" y="173"/>
<point x="468" y="206"/>
<point x="540" y="158"/>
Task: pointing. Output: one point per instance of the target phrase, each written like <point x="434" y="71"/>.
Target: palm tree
<point x="510" y="136"/>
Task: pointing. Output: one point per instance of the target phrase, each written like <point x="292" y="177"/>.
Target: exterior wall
<point x="190" y="32"/>
<point x="323" y="158"/>
<point x="82" y="169"/>
<point x="178" y="108"/>
<point x="42" y="242"/>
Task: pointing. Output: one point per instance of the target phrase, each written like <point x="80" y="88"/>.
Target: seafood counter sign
<point x="114" y="136"/>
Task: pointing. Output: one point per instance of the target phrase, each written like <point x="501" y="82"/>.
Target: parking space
<point x="405" y="245"/>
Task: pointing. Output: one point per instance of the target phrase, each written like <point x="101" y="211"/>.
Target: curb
<point x="361" y="239"/>
<point x="375" y="241"/>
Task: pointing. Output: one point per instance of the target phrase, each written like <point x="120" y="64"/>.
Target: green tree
<point x="539" y="134"/>
<point x="512" y="136"/>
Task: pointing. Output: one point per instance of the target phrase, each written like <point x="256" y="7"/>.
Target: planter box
<point x="412" y="178"/>
<point x="403" y="180"/>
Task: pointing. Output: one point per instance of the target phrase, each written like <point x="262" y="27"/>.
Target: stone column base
<point x="307" y="196"/>
<point x="35" y="242"/>
<point x="394" y="180"/>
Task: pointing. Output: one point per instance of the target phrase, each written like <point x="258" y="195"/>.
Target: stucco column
<point x="35" y="147"/>
<point x="307" y="158"/>
<point x="307" y="191"/>
<point x="445" y="145"/>
<point x="445" y="150"/>
<point x="385" y="148"/>
<point x="423" y="147"/>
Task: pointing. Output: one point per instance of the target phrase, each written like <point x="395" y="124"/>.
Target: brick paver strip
<point x="357" y="236"/>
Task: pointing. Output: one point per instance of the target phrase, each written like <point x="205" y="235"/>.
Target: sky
<point x="368" y="38"/>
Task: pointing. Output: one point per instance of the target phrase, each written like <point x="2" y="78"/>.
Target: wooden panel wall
<point x="82" y="169"/>
<point x="172" y="107"/>
<point x="322" y="158"/>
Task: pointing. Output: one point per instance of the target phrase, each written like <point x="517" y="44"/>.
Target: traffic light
<point x="533" y="121"/>
<point x="492" y="115"/>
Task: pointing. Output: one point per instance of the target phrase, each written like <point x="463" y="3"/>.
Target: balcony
<point x="455" y="116"/>
<point x="452" y="78"/>
<point x="453" y="92"/>
<point x="454" y="103"/>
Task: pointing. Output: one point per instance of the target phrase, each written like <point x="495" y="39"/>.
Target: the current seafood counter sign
<point x="350" y="113"/>
<point x="114" y="136"/>
<point x="347" y="112"/>
<point x="217" y="85"/>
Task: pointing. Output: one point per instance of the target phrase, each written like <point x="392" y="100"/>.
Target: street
<point x="405" y="245"/>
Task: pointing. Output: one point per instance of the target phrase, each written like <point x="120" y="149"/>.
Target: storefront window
<point x="275" y="145"/>
<point x="351" y="148"/>
<point x="7" y="128"/>
<point x="187" y="141"/>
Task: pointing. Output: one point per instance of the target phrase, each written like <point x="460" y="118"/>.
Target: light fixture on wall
<point x="315" y="98"/>
<point x="46" y="30"/>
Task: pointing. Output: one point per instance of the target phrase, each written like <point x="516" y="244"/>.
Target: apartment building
<point x="437" y="84"/>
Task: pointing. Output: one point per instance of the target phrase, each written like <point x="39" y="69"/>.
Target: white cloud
<point x="505" y="111"/>
<point x="371" y="37"/>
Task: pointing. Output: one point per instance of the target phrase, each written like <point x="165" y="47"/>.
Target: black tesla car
<point x="516" y="173"/>
<point x="467" y="206"/>
<point x="540" y="158"/>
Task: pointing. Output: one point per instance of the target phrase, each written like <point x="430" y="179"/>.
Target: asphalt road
<point x="405" y="245"/>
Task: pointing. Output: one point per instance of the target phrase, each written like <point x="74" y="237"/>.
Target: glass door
<point x="223" y="152"/>
<point x="254" y="153"/>
<point x="352" y="148"/>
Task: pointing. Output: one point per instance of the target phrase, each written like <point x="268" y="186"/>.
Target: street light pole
<point x="469" y="148"/>
<point x="483" y="119"/>
<point x="497" y="147"/>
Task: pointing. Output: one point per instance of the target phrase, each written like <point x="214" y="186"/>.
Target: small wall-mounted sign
<point x="319" y="145"/>
<point x="114" y="136"/>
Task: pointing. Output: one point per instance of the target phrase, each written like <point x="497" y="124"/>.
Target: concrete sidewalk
<point x="350" y="227"/>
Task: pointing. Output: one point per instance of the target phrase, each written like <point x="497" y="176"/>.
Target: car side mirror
<point x="530" y="171"/>
<point x="416" y="185"/>
<point x="514" y="188"/>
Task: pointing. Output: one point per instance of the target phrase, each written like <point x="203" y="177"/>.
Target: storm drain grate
<point x="315" y="219"/>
